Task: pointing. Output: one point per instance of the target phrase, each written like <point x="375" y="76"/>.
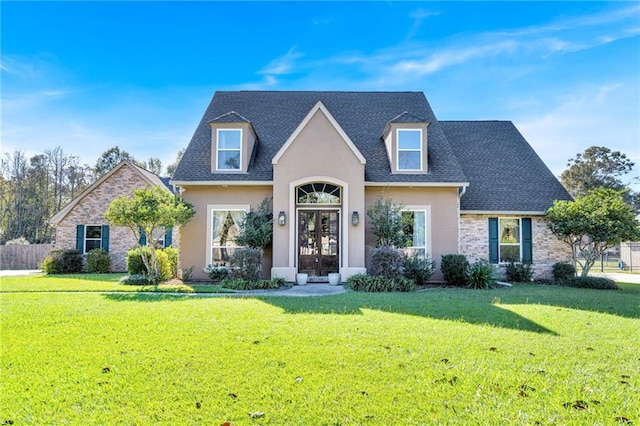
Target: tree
<point x="597" y="167"/>
<point x="154" y="165"/>
<point x="111" y="158"/>
<point x="171" y="168"/>
<point x="148" y="210"/>
<point x="256" y="229"/>
<point x="386" y="223"/>
<point x="592" y="224"/>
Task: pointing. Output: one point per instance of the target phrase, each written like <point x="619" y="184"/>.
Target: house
<point x="324" y="158"/>
<point x="81" y="223"/>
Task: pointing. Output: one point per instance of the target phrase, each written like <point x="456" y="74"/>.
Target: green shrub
<point x="172" y="255"/>
<point x="135" y="265"/>
<point x="419" y="270"/>
<point x="187" y="273"/>
<point x="387" y="262"/>
<point x="242" y="284"/>
<point x="98" y="261"/>
<point x="63" y="262"/>
<point x="454" y="269"/>
<point x="246" y="263"/>
<point x="51" y="265"/>
<point x="136" y="279"/>
<point x="368" y="283"/>
<point x="519" y="272"/>
<point x="403" y="284"/>
<point x="217" y="273"/>
<point x="591" y="282"/>
<point x="563" y="271"/>
<point x="481" y="275"/>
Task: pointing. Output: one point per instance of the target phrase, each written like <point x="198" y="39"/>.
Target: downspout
<point x="461" y="192"/>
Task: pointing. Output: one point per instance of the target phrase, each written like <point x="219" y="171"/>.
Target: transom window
<point x="415" y="233"/>
<point x="92" y="237"/>
<point x="409" y="149"/>
<point x="229" y="145"/>
<point x="319" y="193"/>
<point x="225" y="228"/>
<point x="509" y="246"/>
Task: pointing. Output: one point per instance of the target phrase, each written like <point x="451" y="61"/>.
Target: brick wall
<point x="547" y="249"/>
<point x="90" y="210"/>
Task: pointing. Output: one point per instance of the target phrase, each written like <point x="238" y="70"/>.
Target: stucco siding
<point x="193" y="251"/>
<point x="443" y="222"/>
<point x="547" y="249"/>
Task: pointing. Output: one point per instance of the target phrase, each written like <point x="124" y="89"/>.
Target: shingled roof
<point x="275" y="115"/>
<point x="504" y="172"/>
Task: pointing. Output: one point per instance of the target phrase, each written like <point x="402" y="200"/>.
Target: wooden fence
<point x="16" y="257"/>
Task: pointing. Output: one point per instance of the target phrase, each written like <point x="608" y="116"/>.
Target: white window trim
<point x="218" y="207"/>
<point x="85" y="239"/>
<point x="519" y="219"/>
<point x="427" y="226"/>
<point x="408" y="150"/>
<point x="218" y="149"/>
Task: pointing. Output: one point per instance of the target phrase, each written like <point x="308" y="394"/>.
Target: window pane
<point x="229" y="139"/>
<point x="92" y="244"/>
<point x="229" y="160"/>
<point x="224" y="229"/>
<point x="94" y="231"/>
<point x="509" y="231"/>
<point x="509" y="253"/>
<point x="409" y="160"/>
<point x="409" y="139"/>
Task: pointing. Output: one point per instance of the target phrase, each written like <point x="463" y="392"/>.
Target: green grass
<point x="94" y="283"/>
<point x="526" y="355"/>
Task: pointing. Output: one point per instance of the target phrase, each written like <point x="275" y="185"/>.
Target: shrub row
<point x="63" y="262"/>
<point x="243" y="284"/>
<point x="167" y="262"/>
<point x="377" y="283"/>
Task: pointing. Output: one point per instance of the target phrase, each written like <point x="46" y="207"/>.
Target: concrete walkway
<point x="296" y="291"/>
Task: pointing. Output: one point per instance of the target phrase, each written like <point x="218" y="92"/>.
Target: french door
<point x="318" y="242"/>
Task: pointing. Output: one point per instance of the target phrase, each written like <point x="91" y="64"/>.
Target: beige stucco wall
<point x="193" y="251"/>
<point x="319" y="153"/>
<point x="91" y="208"/>
<point x="443" y="219"/>
<point x="547" y="249"/>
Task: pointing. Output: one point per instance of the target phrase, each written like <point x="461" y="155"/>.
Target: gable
<point x="318" y="126"/>
<point x="93" y="202"/>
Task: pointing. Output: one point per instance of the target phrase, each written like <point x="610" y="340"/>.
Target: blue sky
<point x="90" y="75"/>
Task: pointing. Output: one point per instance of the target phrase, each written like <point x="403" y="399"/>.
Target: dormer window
<point x="409" y="149"/>
<point x="229" y="149"/>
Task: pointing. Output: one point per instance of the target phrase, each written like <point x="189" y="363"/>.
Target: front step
<point x="318" y="280"/>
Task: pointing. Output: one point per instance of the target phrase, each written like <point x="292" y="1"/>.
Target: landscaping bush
<point x="481" y="275"/>
<point x="217" y="273"/>
<point x="136" y="279"/>
<point x="172" y="255"/>
<point x="563" y="271"/>
<point x="387" y="262"/>
<point x="246" y="263"/>
<point x="135" y="265"/>
<point x="519" y="272"/>
<point x="186" y="273"/>
<point x="419" y="270"/>
<point x="403" y="284"/>
<point x="242" y="284"/>
<point x="368" y="283"/>
<point x="454" y="269"/>
<point x="98" y="261"/>
<point x="591" y="282"/>
<point x="62" y="262"/>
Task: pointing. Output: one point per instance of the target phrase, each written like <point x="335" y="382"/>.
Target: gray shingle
<point x="504" y="172"/>
<point x="362" y="115"/>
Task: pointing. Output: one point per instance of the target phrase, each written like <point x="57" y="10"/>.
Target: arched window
<point x="319" y="193"/>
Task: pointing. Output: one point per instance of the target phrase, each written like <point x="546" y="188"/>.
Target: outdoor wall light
<point x="282" y="219"/>
<point x="355" y="218"/>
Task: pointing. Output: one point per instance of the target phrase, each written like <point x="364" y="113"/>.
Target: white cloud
<point x="283" y="64"/>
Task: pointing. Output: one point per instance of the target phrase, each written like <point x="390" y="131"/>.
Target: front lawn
<point x="94" y="282"/>
<point x="526" y="355"/>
